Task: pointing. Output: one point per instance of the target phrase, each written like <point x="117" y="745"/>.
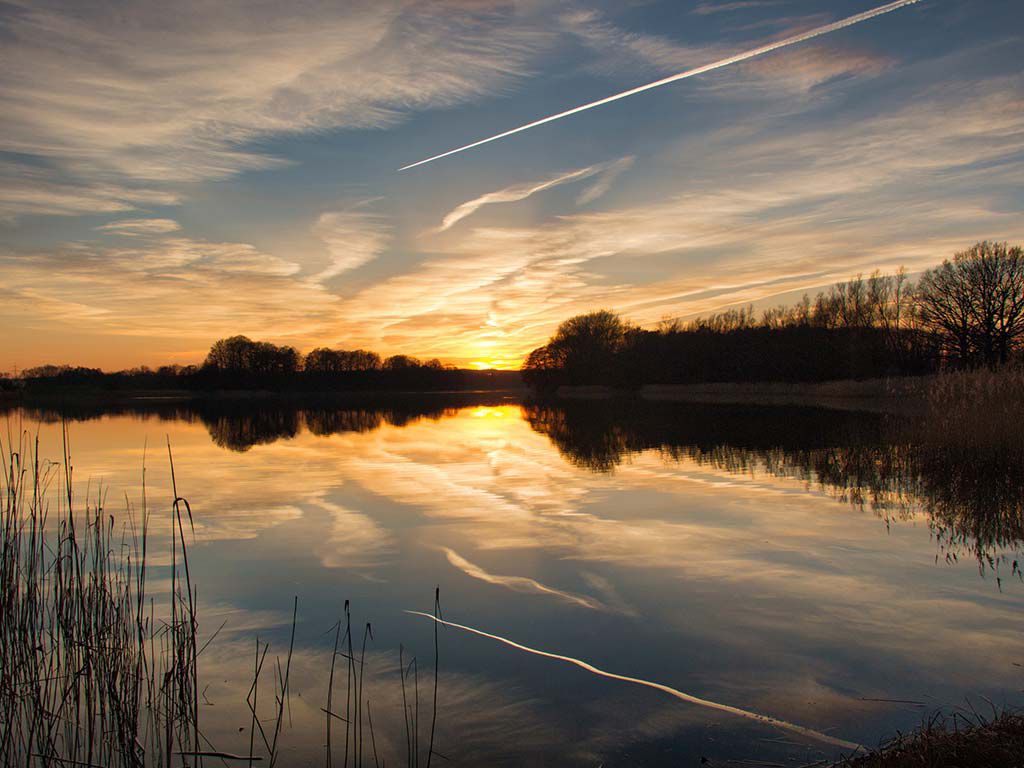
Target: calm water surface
<point x="807" y="565"/>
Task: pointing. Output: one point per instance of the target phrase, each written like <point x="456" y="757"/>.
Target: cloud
<point x="796" y="70"/>
<point x="608" y="171"/>
<point x="140" y="93"/>
<point x="32" y="190"/>
<point x="801" y="70"/>
<point x="135" y="227"/>
<point x="618" y="50"/>
<point x="605" y="181"/>
<point x="175" y="287"/>
<point x="353" y="237"/>
<point x="709" y="8"/>
<point x="791" y="210"/>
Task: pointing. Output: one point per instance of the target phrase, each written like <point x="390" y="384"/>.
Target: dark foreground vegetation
<point x="98" y="671"/>
<point x="239" y="363"/>
<point x="966" y="313"/>
<point x="957" y="741"/>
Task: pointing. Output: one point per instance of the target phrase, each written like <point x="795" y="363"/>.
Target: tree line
<point x="966" y="313"/>
<point x="238" y="362"/>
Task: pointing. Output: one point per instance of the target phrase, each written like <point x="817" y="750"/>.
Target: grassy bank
<point x="952" y="742"/>
<point x="971" y="402"/>
<point x="881" y="395"/>
<point x="976" y="411"/>
<point x="872" y="394"/>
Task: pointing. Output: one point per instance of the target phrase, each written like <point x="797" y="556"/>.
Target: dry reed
<point x="95" y="671"/>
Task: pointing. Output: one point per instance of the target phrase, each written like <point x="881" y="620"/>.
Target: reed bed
<point x="960" y="740"/>
<point x="980" y="410"/>
<point x="96" y="671"/>
<point x="88" y="674"/>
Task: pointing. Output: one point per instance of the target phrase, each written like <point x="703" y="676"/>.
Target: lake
<point x="810" y="566"/>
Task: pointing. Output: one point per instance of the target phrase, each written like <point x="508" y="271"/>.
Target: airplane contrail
<point x="817" y="32"/>
<point x="764" y="719"/>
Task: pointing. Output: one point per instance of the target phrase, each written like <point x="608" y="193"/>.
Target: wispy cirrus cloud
<point x="143" y="93"/>
<point x="618" y="51"/>
<point x="170" y="287"/>
<point x="28" y="189"/>
<point x="603" y="184"/>
<point x="709" y="8"/>
<point x="140" y="227"/>
<point x="608" y="172"/>
<point x="354" y="236"/>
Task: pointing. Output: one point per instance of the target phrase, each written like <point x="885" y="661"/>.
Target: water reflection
<point x="238" y="424"/>
<point x="698" y="546"/>
<point x="974" y="503"/>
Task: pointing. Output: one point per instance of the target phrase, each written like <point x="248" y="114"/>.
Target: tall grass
<point x="973" y="411"/>
<point x="96" y="671"/>
<point x="88" y="676"/>
<point x="961" y="740"/>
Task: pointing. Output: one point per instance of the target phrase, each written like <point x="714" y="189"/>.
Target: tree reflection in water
<point x="969" y="486"/>
<point x="973" y="501"/>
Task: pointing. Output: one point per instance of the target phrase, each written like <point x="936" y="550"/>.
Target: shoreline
<point x="899" y="394"/>
<point x="183" y="395"/>
<point x="878" y="395"/>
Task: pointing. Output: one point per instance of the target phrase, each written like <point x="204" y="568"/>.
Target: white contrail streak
<point x="817" y="32"/>
<point x="765" y="719"/>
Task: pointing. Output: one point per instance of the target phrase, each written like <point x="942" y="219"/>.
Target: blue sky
<point x="174" y="173"/>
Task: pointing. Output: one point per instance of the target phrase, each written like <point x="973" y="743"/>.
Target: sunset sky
<point x="175" y="172"/>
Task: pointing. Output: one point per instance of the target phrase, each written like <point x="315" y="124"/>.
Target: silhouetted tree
<point x="323" y="360"/>
<point x="337" y="361"/>
<point x="240" y="361"/>
<point x="588" y="345"/>
<point x="544" y="368"/>
<point x="857" y="329"/>
<point x="360" y="360"/>
<point x="974" y="304"/>
<point x="400" y="363"/>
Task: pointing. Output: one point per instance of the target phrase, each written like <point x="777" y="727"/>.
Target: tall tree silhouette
<point x="974" y="304"/>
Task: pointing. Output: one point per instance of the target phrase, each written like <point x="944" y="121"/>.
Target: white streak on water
<point x="765" y="719"/>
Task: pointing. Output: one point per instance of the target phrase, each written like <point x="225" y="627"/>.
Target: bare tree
<point x="974" y="304"/>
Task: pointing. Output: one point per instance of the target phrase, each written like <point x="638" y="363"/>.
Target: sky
<point x="173" y="173"/>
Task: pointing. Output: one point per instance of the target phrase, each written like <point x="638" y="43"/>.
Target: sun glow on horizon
<point x="495" y="365"/>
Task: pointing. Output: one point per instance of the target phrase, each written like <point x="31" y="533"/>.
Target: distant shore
<point x="892" y="394"/>
<point x="880" y="395"/>
<point x="92" y="396"/>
